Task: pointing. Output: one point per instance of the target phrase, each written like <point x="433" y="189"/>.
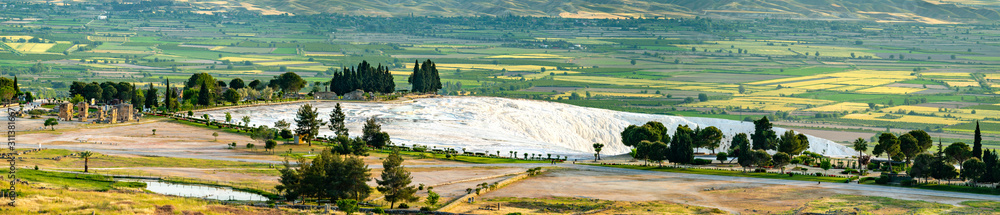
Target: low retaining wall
<point x="462" y="199"/>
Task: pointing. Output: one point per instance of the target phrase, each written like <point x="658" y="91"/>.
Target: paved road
<point x="882" y="190"/>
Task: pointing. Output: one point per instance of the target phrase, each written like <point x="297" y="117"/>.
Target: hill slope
<point x="883" y="10"/>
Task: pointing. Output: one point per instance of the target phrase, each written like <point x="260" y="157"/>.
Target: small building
<point x="355" y="95"/>
<point x="325" y="95"/>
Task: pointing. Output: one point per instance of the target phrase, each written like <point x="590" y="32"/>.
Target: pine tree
<point x="395" y="182"/>
<point x="307" y="126"/>
<point x="337" y="124"/>
<point x="763" y="136"/>
<point x="977" y="143"/>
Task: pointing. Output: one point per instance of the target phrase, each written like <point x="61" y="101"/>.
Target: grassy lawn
<point x="43" y="159"/>
<point x="59" y="179"/>
<point x="730" y="173"/>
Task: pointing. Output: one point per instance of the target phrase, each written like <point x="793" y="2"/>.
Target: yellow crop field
<point x="279" y="63"/>
<point x="15" y="38"/>
<point x="762" y="47"/>
<point x="843" y="106"/>
<point x="857" y="77"/>
<point x="217" y="48"/>
<point x="763" y="103"/>
<point x="872" y="81"/>
<point x="890" y="90"/>
<point x="100" y="66"/>
<point x="947" y="74"/>
<point x="821" y="86"/>
<point x="846" y="88"/>
<point x="963" y="83"/>
<point x="529" y="56"/>
<point x="241" y="59"/>
<point x="611" y="81"/>
<point x="904" y="118"/>
<point x="31" y="47"/>
<point x="318" y="68"/>
<point x="779" y="92"/>
<point x="492" y="67"/>
<point x="964" y="114"/>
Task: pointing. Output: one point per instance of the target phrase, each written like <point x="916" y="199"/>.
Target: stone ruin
<point x="84" y="110"/>
<point x="125" y="112"/>
<point x="113" y="115"/>
<point x="100" y="114"/>
<point x="355" y="95"/>
<point x="66" y="111"/>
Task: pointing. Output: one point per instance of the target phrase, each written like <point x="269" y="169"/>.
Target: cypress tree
<point x="205" y="95"/>
<point x="416" y="79"/>
<point x="681" y="148"/>
<point x="977" y="143"/>
<point x="990" y="160"/>
<point x="151" y="98"/>
<point x="167" y="96"/>
<point x="17" y="89"/>
<point x="435" y="79"/>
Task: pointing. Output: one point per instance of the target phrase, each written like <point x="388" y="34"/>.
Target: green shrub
<point x="882" y="180"/>
<point x="347" y="205"/>
<point x="403" y="206"/>
<point x="699" y="161"/>
<point x="285" y="133"/>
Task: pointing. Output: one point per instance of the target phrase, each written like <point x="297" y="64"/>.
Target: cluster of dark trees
<point x="107" y="92"/>
<point x="905" y="147"/>
<point x="9" y="89"/>
<point x="651" y="142"/>
<point x="425" y="78"/>
<point x="329" y="176"/>
<point x="335" y="177"/>
<point x="364" y="77"/>
<point x="200" y="89"/>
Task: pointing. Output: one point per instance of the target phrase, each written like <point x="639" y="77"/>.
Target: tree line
<point x="364" y="77"/>
<point x="425" y="78"/>
<point x="652" y="143"/>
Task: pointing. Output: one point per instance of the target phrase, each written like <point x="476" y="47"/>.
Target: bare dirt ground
<point x="169" y="138"/>
<point x="732" y="196"/>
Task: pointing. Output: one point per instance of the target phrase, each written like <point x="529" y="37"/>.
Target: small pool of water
<point x="198" y="191"/>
